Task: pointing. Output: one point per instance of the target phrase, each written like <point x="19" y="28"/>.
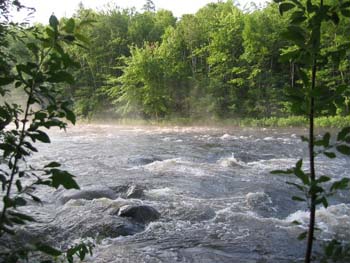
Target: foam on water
<point x="333" y="220"/>
<point x="274" y="164"/>
<point x="178" y="166"/>
<point x="231" y="162"/>
<point x="227" y="136"/>
<point x="160" y="192"/>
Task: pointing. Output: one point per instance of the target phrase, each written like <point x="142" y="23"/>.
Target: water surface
<point x="213" y="188"/>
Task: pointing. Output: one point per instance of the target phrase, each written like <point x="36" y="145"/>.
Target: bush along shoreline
<point x="272" y="122"/>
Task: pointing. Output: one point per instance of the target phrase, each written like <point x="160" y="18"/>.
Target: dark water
<point x="218" y="201"/>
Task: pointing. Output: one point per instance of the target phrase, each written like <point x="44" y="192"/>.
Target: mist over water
<point x="213" y="188"/>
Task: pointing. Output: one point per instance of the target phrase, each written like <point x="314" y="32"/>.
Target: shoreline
<point x="336" y="122"/>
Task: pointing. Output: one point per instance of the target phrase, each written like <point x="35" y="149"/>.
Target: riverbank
<point x="278" y="122"/>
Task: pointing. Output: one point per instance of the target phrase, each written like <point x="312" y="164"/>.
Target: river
<point x="212" y="186"/>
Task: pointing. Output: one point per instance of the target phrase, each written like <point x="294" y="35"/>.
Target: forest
<point x="221" y="62"/>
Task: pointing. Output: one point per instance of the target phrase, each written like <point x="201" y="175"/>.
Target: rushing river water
<point x="217" y="200"/>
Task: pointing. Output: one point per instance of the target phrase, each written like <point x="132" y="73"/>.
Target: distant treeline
<point x="220" y="62"/>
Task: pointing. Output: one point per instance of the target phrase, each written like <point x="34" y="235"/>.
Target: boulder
<point x="134" y="191"/>
<point x="139" y="213"/>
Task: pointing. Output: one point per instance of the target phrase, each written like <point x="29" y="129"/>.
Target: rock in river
<point x="87" y="193"/>
<point x="134" y="191"/>
<point x="140" y="213"/>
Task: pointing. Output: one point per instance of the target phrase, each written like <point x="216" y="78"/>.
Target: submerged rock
<point x="140" y="213"/>
<point x="88" y="218"/>
<point x="192" y="214"/>
<point x="139" y="161"/>
<point x="88" y="193"/>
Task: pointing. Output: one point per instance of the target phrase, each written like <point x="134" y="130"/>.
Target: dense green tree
<point x="219" y="62"/>
<point x="141" y="90"/>
<point x="266" y="76"/>
<point x="225" y="50"/>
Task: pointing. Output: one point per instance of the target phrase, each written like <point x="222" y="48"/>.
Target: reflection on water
<point x="217" y="199"/>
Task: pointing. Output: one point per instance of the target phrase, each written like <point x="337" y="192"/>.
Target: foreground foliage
<point x="311" y="95"/>
<point x="39" y="77"/>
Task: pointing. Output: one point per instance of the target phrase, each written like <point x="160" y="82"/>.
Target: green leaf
<point x="284" y="7"/>
<point x="335" y="18"/>
<point x="295" y="34"/>
<point x="35" y="198"/>
<point x="344" y="149"/>
<point x="70" y="26"/>
<point x="41" y="136"/>
<point x="323" y="201"/>
<point x="315" y="189"/>
<point x="8" y="230"/>
<point x="53" y="21"/>
<point x="30" y="146"/>
<point x="302" y="236"/>
<point x="299" y="199"/>
<point x="16" y="220"/>
<point x="330" y="155"/>
<point x="323" y="179"/>
<point x="69" y="38"/>
<point x="299" y="164"/>
<point x="19" y="186"/>
<point x="19" y="201"/>
<point x="61" y="76"/>
<point x="33" y="47"/>
<point x="70" y="116"/>
<point x="8" y="202"/>
<point x="22" y="216"/>
<point x="326" y="139"/>
<point x="289" y="171"/>
<point x="52" y="165"/>
<point x="310" y="7"/>
<point x="6" y="81"/>
<point x="48" y="250"/>
<point x="63" y="178"/>
<point x="298" y="17"/>
<point x="340" y="185"/>
<point x="304" y="139"/>
<point x="300" y="187"/>
<point x="343" y="133"/>
<point x="345" y="4"/>
<point x="3" y="178"/>
<point x="40" y="115"/>
<point x="289" y="55"/>
<point x="295" y="222"/>
<point x="345" y="12"/>
<point x="82" y="38"/>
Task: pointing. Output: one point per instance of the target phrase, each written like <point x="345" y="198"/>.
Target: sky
<point x="44" y="8"/>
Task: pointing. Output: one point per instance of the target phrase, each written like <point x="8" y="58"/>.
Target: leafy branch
<point x="305" y="34"/>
